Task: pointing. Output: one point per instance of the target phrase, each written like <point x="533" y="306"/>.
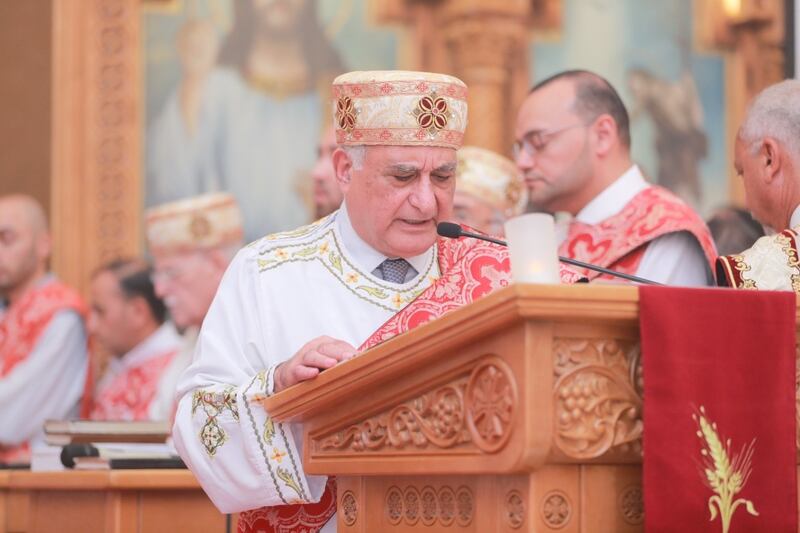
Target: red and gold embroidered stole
<point x="129" y="395"/>
<point x="27" y="319"/>
<point x="20" y="329"/>
<point x="620" y="241"/>
<point x="470" y="269"/>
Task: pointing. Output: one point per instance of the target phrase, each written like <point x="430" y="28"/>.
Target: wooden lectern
<point x="520" y="412"/>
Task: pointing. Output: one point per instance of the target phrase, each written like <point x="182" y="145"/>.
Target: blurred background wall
<point x="111" y="106"/>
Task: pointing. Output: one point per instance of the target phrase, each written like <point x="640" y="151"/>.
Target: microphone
<point x="451" y="230"/>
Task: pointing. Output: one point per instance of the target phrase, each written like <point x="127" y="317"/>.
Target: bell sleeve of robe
<point x="241" y="457"/>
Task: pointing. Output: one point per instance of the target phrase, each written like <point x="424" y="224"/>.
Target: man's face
<point x="560" y="165"/>
<point x="478" y="214"/>
<point x="757" y="192"/>
<point x="113" y="319"/>
<point x="23" y="248"/>
<point x="187" y="282"/>
<point x="327" y="194"/>
<point x="399" y="196"/>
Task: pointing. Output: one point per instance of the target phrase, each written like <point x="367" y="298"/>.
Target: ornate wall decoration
<point x="116" y="145"/>
<point x="491" y="399"/>
<point x="433" y="420"/>
<point x="515" y="509"/>
<point x="349" y="508"/>
<point x="96" y="130"/>
<point x="631" y="505"/>
<point x="429" y="506"/>
<point x="597" y="398"/>
<point x="556" y="509"/>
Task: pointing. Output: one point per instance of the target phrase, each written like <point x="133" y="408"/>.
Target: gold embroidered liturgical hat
<point x="399" y="108"/>
<point x="492" y="178"/>
<point x="195" y="223"/>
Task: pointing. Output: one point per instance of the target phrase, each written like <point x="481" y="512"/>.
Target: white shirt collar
<point x="159" y="342"/>
<point x="365" y="255"/>
<point x="614" y="197"/>
<point x="795" y="220"/>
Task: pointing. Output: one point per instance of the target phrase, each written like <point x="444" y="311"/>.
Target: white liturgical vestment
<point x="278" y="294"/>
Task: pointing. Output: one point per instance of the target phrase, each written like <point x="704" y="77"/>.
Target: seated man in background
<point x="43" y="351"/>
<point x="489" y="190"/>
<point x="767" y="157"/>
<point x="327" y="195"/>
<point x="573" y="148"/>
<point x="191" y="242"/>
<point x="129" y="321"/>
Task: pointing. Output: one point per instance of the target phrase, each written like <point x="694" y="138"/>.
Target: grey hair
<point x="775" y="112"/>
<point x="356" y="154"/>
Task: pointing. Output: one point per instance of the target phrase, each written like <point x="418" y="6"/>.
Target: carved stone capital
<point x="491" y="43"/>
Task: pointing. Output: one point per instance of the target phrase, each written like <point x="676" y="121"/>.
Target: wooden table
<point x="119" y="501"/>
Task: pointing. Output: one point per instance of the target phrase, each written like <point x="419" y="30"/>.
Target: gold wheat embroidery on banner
<point x="723" y="475"/>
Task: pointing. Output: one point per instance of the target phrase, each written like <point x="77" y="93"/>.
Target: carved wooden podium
<point x="520" y="412"/>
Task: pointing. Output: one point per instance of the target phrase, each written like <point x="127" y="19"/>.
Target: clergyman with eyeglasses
<point x="573" y="148"/>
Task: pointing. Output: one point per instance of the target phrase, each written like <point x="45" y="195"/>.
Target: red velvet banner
<point x="719" y="411"/>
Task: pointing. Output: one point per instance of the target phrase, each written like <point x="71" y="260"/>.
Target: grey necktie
<point x="394" y="270"/>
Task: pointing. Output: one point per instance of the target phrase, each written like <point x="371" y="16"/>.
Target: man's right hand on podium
<point x="314" y="357"/>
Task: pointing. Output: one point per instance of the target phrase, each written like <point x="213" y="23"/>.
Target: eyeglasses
<point x="535" y="142"/>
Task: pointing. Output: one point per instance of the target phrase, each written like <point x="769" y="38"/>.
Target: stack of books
<point x="100" y="445"/>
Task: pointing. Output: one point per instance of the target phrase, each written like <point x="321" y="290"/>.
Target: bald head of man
<point x="24" y="244"/>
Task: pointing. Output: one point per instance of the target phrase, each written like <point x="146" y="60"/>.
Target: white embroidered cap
<point x="199" y="222"/>
<point x="492" y="178"/>
<point x="399" y="107"/>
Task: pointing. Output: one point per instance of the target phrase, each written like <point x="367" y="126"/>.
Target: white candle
<point x="532" y="248"/>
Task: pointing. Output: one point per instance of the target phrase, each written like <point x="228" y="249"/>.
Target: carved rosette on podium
<point x="520" y="412"/>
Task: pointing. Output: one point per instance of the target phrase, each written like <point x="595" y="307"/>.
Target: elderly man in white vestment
<point x="767" y="158"/>
<point x="192" y="241"/>
<point x="295" y="303"/>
